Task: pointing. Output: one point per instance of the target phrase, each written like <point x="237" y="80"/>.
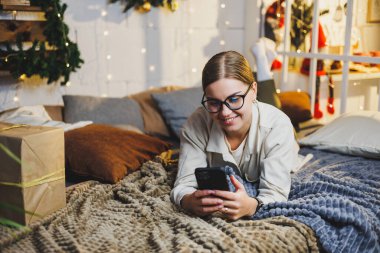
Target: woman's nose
<point x="225" y="111"/>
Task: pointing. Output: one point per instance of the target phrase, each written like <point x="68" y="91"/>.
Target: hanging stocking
<point x="330" y="100"/>
<point x="317" y="112"/>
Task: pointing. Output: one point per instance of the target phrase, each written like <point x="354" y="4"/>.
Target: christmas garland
<point x="145" y="5"/>
<point x="54" y="58"/>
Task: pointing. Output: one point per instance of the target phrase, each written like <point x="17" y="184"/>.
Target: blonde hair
<point x="229" y="64"/>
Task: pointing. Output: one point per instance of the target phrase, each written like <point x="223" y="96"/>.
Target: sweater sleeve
<point x="192" y="155"/>
<point x="281" y="156"/>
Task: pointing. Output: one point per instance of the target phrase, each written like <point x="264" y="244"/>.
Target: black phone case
<point x="212" y="178"/>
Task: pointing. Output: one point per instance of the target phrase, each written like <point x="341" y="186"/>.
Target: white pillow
<point x="36" y="115"/>
<point x="355" y="133"/>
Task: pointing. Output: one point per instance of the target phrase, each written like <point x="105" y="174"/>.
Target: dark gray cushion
<point x="110" y="111"/>
<point x="266" y="92"/>
<point x="177" y="106"/>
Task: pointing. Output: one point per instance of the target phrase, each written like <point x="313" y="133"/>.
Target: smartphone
<point x="212" y="178"/>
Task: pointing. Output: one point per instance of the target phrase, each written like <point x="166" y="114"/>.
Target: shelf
<point x="20" y="8"/>
<point x="24" y="15"/>
<point x="357" y="76"/>
<point x="31" y="30"/>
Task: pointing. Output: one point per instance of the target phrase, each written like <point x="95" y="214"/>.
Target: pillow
<point x="55" y="112"/>
<point x="177" y="106"/>
<point x="108" y="153"/>
<point x="296" y="105"/>
<point x="352" y="133"/>
<point x="110" y="111"/>
<point x="266" y="92"/>
<point x="153" y="122"/>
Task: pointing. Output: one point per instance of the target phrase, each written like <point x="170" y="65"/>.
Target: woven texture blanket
<point x="136" y="215"/>
<point x="338" y="196"/>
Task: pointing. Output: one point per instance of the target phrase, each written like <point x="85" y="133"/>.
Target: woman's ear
<point x="254" y="89"/>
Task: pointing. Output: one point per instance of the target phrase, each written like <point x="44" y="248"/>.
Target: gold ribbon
<point x="42" y="180"/>
<point x="13" y="126"/>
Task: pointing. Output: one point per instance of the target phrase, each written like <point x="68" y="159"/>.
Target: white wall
<point x="177" y="44"/>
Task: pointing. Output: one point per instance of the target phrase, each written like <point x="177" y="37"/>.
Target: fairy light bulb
<point x="298" y="90"/>
<point x="16" y="99"/>
<point x="67" y="65"/>
<point x="105" y="33"/>
<point x="278" y="90"/>
<point x="59" y="15"/>
<point x="194" y="70"/>
<point x="103" y="13"/>
<point x="223" y="5"/>
<point x="67" y="44"/>
<point x="143" y="50"/>
<point x="152" y="68"/>
<point x="68" y="84"/>
<point x="108" y="57"/>
<point x="227" y="22"/>
<point x="104" y="95"/>
<point x="222" y="42"/>
<point x="6" y="59"/>
<point x="109" y="77"/>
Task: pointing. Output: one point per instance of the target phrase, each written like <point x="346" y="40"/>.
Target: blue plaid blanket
<point x="338" y="196"/>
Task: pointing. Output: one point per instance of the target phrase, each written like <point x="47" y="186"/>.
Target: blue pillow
<point x="177" y="106"/>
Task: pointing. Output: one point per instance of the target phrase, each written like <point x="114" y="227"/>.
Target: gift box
<point x="32" y="176"/>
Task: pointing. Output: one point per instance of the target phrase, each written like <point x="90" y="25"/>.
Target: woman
<point x="233" y="128"/>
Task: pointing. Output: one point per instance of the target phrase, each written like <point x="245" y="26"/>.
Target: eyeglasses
<point x="233" y="102"/>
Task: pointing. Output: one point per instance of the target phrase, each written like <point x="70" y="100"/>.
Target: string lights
<point x="222" y="41"/>
<point x="108" y="56"/>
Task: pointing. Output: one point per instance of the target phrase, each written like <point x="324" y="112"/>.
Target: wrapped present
<point x="32" y="176"/>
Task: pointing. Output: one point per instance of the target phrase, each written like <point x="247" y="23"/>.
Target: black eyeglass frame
<point x="225" y="101"/>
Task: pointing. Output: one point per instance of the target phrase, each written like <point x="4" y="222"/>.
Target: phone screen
<point x="212" y="178"/>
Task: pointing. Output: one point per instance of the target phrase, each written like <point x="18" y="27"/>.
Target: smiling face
<point x="233" y="122"/>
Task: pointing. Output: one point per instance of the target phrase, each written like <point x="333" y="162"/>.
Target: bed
<point x="333" y="205"/>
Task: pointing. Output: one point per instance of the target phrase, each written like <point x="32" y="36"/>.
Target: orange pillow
<point x="153" y="121"/>
<point x="108" y="153"/>
<point x="296" y="105"/>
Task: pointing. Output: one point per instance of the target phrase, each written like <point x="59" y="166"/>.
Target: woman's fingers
<point x="203" y="193"/>
<point x="236" y="183"/>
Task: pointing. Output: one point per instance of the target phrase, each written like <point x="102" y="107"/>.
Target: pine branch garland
<point x="60" y="60"/>
<point x="145" y="5"/>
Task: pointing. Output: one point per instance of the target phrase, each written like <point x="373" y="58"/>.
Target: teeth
<point x="229" y="119"/>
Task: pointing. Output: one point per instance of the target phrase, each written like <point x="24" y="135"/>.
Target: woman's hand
<point x="237" y="204"/>
<point x="202" y="202"/>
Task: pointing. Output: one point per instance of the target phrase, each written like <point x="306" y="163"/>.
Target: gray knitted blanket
<point x="136" y="215"/>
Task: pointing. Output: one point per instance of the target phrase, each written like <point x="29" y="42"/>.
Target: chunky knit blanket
<point x="136" y="215"/>
<point x="338" y="196"/>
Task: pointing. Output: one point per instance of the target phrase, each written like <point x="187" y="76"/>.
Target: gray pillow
<point x="177" y="106"/>
<point x="110" y="111"/>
